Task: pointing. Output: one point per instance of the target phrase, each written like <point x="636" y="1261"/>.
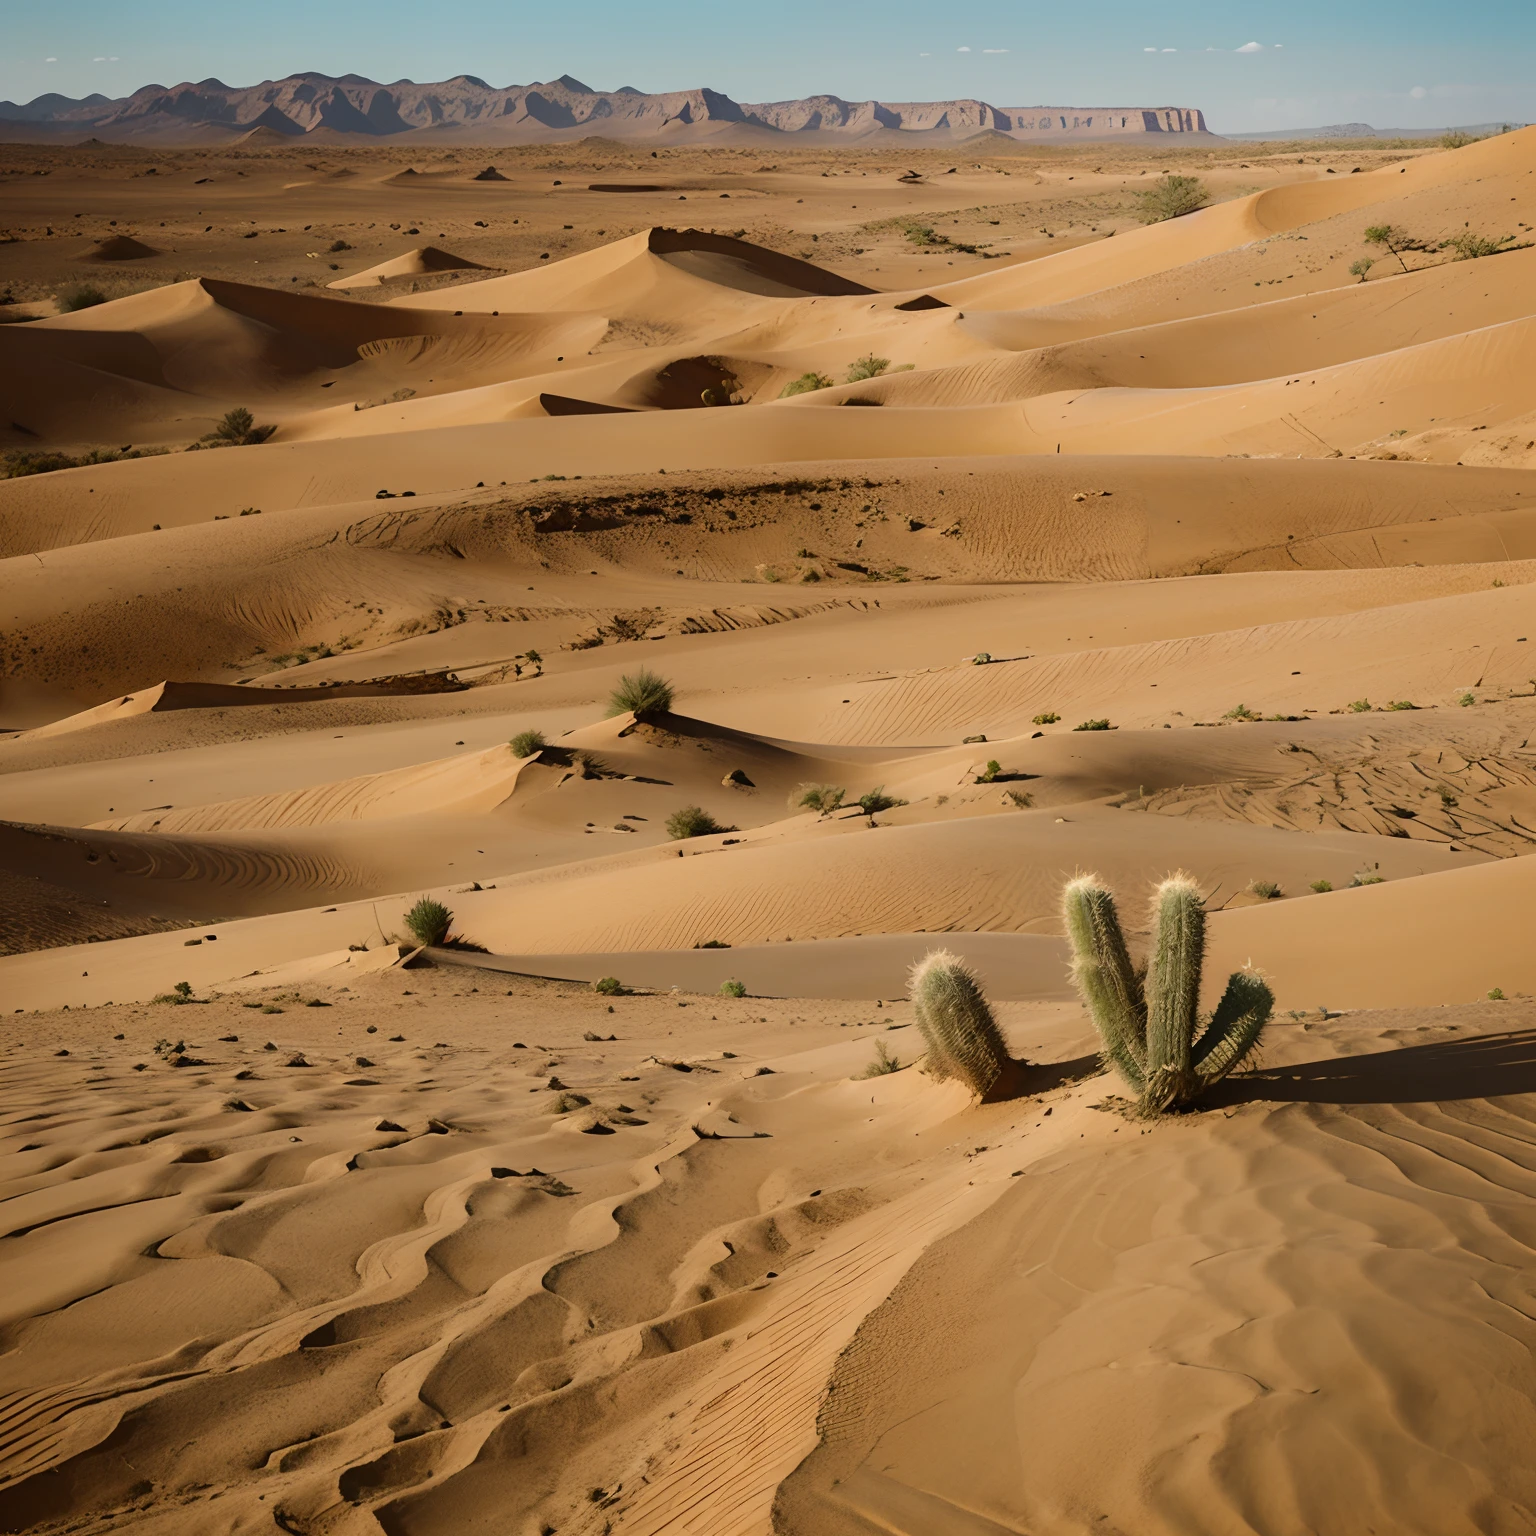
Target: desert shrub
<point x="588" y="764"/>
<point x="981" y="658"/>
<point x="1266" y="890"/>
<point x="1456" y="139"/>
<point x="38" y="461"/>
<point x="339" y="245"/>
<point x="805" y="384"/>
<point x="1359" y="706"/>
<point x="1366" y="877"/>
<point x="1320" y="886"/>
<point x="733" y="989"/>
<point x="1466" y="701"/>
<point x="1401" y="704"/>
<point x="428" y="921"/>
<point x="180" y="993"/>
<point x="1395" y="239"/>
<point x="1050" y="717"/>
<point x="1447" y="796"/>
<point x="1241" y="712"/>
<point x="82" y="296"/>
<point x="1021" y="799"/>
<point x="990" y="772"/>
<point x="918" y="232"/>
<point x="641" y="693"/>
<point x="883" y="1063"/>
<point x="875" y="800"/>
<point x="1172" y="198"/>
<point x="526" y="743"/>
<point x="237" y="429"/>
<point x="610" y="986"/>
<point x="1469" y="245"/>
<point x="867" y="367"/>
<point x="1092" y="725"/>
<point x="957" y="1026"/>
<point x="1496" y="994"/>
<point x="821" y="798"/>
<point x="1361" y="268"/>
<point x="1148" y="1021"/>
<point x="692" y="821"/>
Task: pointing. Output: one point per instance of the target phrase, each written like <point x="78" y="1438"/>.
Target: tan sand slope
<point x="414" y="263"/>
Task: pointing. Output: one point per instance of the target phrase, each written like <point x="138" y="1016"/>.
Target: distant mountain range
<point x="466" y="109"/>
<point x="1365" y="131"/>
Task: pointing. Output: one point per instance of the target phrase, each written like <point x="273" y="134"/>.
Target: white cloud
<point x="1250" y="48"/>
<point x="925" y="55"/>
<point x="1418" y="93"/>
<point x="1149" y="50"/>
<point x="994" y="50"/>
<point x="50" y="61"/>
<point x="1170" y="50"/>
<point x="962" y="50"/>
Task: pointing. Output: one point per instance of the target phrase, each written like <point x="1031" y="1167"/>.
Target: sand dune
<point x="1075" y="544"/>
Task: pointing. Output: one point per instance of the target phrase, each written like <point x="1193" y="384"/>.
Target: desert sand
<point x="1096" y="546"/>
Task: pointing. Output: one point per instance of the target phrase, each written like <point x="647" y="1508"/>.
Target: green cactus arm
<point x="955" y="1022"/>
<point x="1104" y="977"/>
<point x="1173" y="973"/>
<point x="1235" y="1026"/>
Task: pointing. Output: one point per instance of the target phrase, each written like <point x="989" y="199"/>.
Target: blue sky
<point x="1409" y="64"/>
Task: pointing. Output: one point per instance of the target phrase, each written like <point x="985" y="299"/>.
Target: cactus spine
<point x="957" y="1026"/>
<point x="1149" y="1027"/>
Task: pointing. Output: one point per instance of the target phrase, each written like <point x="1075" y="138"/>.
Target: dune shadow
<point x="1489" y="1066"/>
<point x="1044" y="1077"/>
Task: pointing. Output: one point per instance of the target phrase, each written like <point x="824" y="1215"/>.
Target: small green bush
<point x="1401" y="704"/>
<point x="1172" y="198"/>
<point x="1456" y="139"/>
<point x="1496" y="995"/>
<point x="821" y="798"/>
<point x="1321" y="886"/>
<point x="83" y="296"/>
<point x="1092" y="725"/>
<point x="1466" y="701"/>
<point x="867" y="367"/>
<point x="1366" y="877"/>
<point x="1266" y="890"/>
<point x="1241" y="712"/>
<point x="1360" y="707"/>
<point x="237" y="429"/>
<point x="883" y="1064"/>
<point x="1469" y="245"/>
<point x="428" y="922"/>
<point x="526" y="743"/>
<point x="990" y="772"/>
<point x="1361" y="268"/>
<point x="692" y="821"/>
<point x="805" y="384"/>
<point x="610" y="986"/>
<point x="642" y="693"/>
<point x="981" y="658"/>
<point x="875" y="800"/>
<point x="1050" y="717"/>
<point x="733" y="989"/>
<point x="180" y="993"/>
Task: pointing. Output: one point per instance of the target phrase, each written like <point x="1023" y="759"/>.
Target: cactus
<point x="1148" y="1019"/>
<point x="957" y="1026"/>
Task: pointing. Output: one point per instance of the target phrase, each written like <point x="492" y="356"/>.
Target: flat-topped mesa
<point x="467" y="109"/>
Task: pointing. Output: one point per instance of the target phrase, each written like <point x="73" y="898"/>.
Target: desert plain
<point x="935" y="477"/>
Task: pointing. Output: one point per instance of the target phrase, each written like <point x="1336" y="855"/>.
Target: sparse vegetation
<point x="821" y="798"/>
<point x="1469" y="245"/>
<point x="1496" y="994"/>
<point x="1456" y="139"/>
<point x="1050" y="717"/>
<point x="1395" y="239"/>
<point x="1149" y="1021"/>
<point x="1466" y="701"/>
<point x="867" y="367"/>
<point x="875" y="800"/>
<point x="981" y="659"/>
<point x="1401" y="704"/>
<point x="339" y="245"/>
<point x="1366" y="877"/>
<point x="1093" y="725"/>
<point x="237" y="429"/>
<point x="180" y="993"/>
<point x="1320" y="886"/>
<point x="641" y="693"/>
<point x="1359" y="706"/>
<point x="1172" y="198"/>
<point x="428" y="922"/>
<point x="692" y="821"/>
<point x="733" y="989"/>
<point x="1362" y="267"/>
<point x="526" y="743"/>
<point x="884" y="1063"/>
<point x="82" y="296"/>
<point x="1241" y="712"/>
<point x="610" y="986"/>
<point x="958" y="1028"/>
<point x="1020" y="799"/>
<point x="805" y="384"/>
<point x="42" y="461"/>
<point x="1265" y="890"/>
<point x="990" y="772"/>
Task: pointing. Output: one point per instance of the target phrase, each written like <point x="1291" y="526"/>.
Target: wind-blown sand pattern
<point x="1124" y="548"/>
